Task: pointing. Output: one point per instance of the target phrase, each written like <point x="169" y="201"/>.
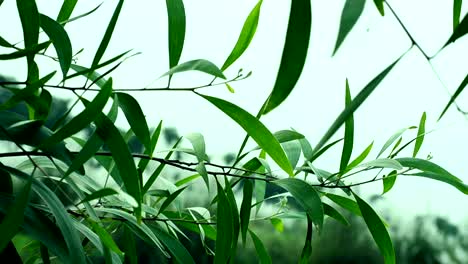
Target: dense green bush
<point x="57" y="207"/>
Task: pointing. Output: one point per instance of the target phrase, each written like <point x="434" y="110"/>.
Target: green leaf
<point x="306" y="196"/>
<point x="235" y="216"/>
<point x="420" y="136"/>
<point x="256" y="130"/>
<point x="348" y="134"/>
<point x="389" y="181"/>
<point x="83" y="119"/>
<point x="10" y="225"/>
<point x="383" y="163"/>
<point x="29" y="16"/>
<point x="24" y="52"/>
<point x="459" y="32"/>
<point x="277" y="223"/>
<point x="186" y="180"/>
<point x="294" y="53"/>
<point x="149" y="151"/>
<point x="224" y="228"/>
<point x="99" y="194"/>
<point x="129" y="245"/>
<point x="5" y="43"/>
<point x="293" y="152"/>
<point x="91" y="73"/>
<point x="345" y="203"/>
<point x="66" y="10"/>
<point x="319" y="153"/>
<point x="135" y="117"/>
<point x="61" y="41"/>
<point x="245" y="37"/>
<point x="175" y="247"/>
<point x="460" y="89"/>
<point x="392" y="139"/>
<point x="353" y="106"/>
<point x="306" y="148"/>
<point x="284" y="136"/>
<point x="260" y="248"/>
<point x="352" y="10"/>
<point x="230" y="89"/>
<point x="457" y="5"/>
<point x="176" y="24"/>
<point x="107" y="36"/>
<point x="307" y="249"/>
<point x="105" y="237"/>
<point x="170" y="199"/>
<point x="380" y="6"/>
<point x="360" y="158"/>
<point x="197" y="65"/>
<point x="378" y="230"/>
<point x="333" y="213"/>
<point x="433" y="171"/>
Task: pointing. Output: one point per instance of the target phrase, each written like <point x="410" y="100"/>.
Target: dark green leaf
<point x="389" y="181"/>
<point x="245" y="37"/>
<point x="333" y="213"/>
<point x="176" y="24"/>
<point x="66" y="10"/>
<point x="392" y="139"/>
<point x="457" y="5"/>
<point x="306" y="196"/>
<point x="352" y="10"/>
<point x="170" y="199"/>
<point x="186" y="180"/>
<point x="91" y="73"/>
<point x="460" y="89"/>
<point x="61" y="41"/>
<point x="380" y="6"/>
<point x="260" y="248"/>
<point x="5" y="43"/>
<point x="129" y="245"/>
<point x="378" y="230"/>
<point x="197" y="65"/>
<point x="24" y="52"/>
<point x="99" y="194"/>
<point x="383" y="163"/>
<point x="224" y="228"/>
<point x="107" y="36"/>
<point x="455" y="182"/>
<point x="348" y="134"/>
<point x="460" y="31"/>
<point x="256" y="130"/>
<point x="319" y="153"/>
<point x="235" y="216"/>
<point x="284" y="136"/>
<point x="420" y="136"/>
<point x="105" y="237"/>
<point x="353" y="106"/>
<point x="307" y="249"/>
<point x="346" y="203"/>
<point x="294" y="53"/>
<point x="135" y="117"/>
<point x="149" y="151"/>
<point x="175" y="247"/>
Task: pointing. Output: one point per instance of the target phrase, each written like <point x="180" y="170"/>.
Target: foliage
<point x="136" y="203"/>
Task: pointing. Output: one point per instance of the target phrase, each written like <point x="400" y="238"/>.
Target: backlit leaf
<point x="99" y="194"/>
<point x="383" y="163"/>
<point x="333" y="213"/>
<point x="175" y="247"/>
<point x="420" y="136"/>
<point x="352" y="10"/>
<point x="197" y="65"/>
<point x="224" y="228"/>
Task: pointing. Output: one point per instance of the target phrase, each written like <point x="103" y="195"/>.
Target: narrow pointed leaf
<point x="175" y="247"/>
<point x="149" y="151"/>
<point x="392" y="139"/>
<point x="345" y="203"/>
<point x="460" y="89"/>
<point x="457" y="5"/>
<point x="66" y="10"/>
<point x="293" y="152"/>
<point x="187" y="180"/>
<point x="277" y="223"/>
<point x="294" y="53"/>
<point x="284" y="136"/>
<point x="352" y="10"/>
<point x="319" y="153"/>
<point x="176" y="23"/>
<point x="24" y="52"/>
<point x="360" y="158"/>
<point x="353" y="106"/>
<point x="224" y="228"/>
<point x="170" y="199"/>
<point x="60" y="40"/>
<point x="197" y="65"/>
<point x="245" y="37"/>
<point x="5" y="43"/>
<point x="333" y="213"/>
<point x="389" y="181"/>
<point x="29" y="16"/>
<point x="348" y="134"/>
<point x="420" y="136"/>
<point x="256" y="130"/>
<point x="383" y="163"/>
<point x="99" y="194"/>
<point x="380" y="6"/>
<point x="91" y="73"/>
<point x="306" y="196"/>
<point x="459" y="31"/>
<point x="307" y="249"/>
<point x="262" y="252"/>
<point x="246" y="208"/>
<point x="378" y="230"/>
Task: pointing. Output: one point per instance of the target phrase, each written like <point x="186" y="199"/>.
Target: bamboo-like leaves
<point x="389" y="181"/>
<point x="306" y="196"/>
<point x="380" y="6"/>
<point x="245" y="37"/>
<point x="459" y="31"/>
<point x="29" y="16"/>
<point x="176" y="25"/>
<point x="294" y="53"/>
<point x="460" y="89"/>
<point x="353" y="106"/>
<point x="349" y="133"/>
<point x="420" y="136"/>
<point x="392" y="139"/>
<point x="61" y="41"/>
<point x="457" y="5"/>
<point x="66" y="10"/>
<point x="175" y="247"/>
<point x="224" y="228"/>
<point x="262" y="253"/>
<point x="197" y="65"/>
<point x="352" y="10"/>
<point x="256" y="130"/>
<point x="378" y="230"/>
<point x="246" y="208"/>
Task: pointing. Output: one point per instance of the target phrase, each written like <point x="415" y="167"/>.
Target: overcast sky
<point x="212" y="30"/>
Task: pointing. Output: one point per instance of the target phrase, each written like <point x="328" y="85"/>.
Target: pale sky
<point x="212" y="30"/>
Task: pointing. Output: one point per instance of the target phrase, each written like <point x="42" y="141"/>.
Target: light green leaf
<point x="83" y="119"/>
<point x="348" y="134"/>
<point x="352" y="10"/>
<point x="230" y="89"/>
<point x="294" y="53"/>
<point x="135" y="117"/>
<point x="107" y="35"/>
<point x="256" y="130"/>
<point x="105" y="237"/>
<point x="457" y="5"/>
<point x="389" y="181"/>
<point x="383" y="163"/>
<point x="360" y="158"/>
<point x="459" y="31"/>
<point x="420" y="136"/>
<point x="306" y="196"/>
<point x="66" y="10"/>
<point x="245" y="37"/>
<point x="262" y="252"/>
<point x="61" y="41"/>
<point x="380" y="6"/>
<point x="224" y="228"/>
<point x="99" y="194"/>
<point x="277" y="223"/>
<point x="306" y="148"/>
<point x="5" y="43"/>
<point x="170" y="199"/>
<point x="392" y="139"/>
<point x="186" y="180"/>
<point x="353" y="106"/>
<point x="197" y="65"/>
<point x="333" y="213"/>
<point x="378" y="230"/>
<point x="176" y="24"/>
<point x="345" y="203"/>
<point x="175" y="247"/>
<point x="91" y="73"/>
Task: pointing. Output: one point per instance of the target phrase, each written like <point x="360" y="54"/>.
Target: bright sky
<point x="212" y="30"/>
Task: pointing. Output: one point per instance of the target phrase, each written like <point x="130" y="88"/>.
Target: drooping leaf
<point x="149" y="151"/>
<point x="245" y="37"/>
<point x="392" y="139"/>
<point x="24" y="52"/>
<point x="197" y="65"/>
<point x="306" y="196"/>
<point x="176" y="24"/>
<point x="459" y="31"/>
<point x="380" y="6"/>
<point x="186" y="180"/>
<point x="352" y="10"/>
<point x="307" y="249"/>
<point x="345" y="203"/>
<point x="348" y="134"/>
<point x="175" y="247"/>
<point x="460" y="89"/>
<point x="224" y="228"/>
<point x="105" y="237"/>
<point x="29" y="16"/>
<point x="135" y="117"/>
<point x="262" y="252"/>
<point x="360" y="158"/>
<point x="457" y="5"/>
<point x="383" y="163"/>
<point x="230" y="89"/>
<point x="389" y="181"/>
<point x="306" y="148"/>
<point x="284" y="136"/>
<point x="91" y="73"/>
<point x="99" y="194"/>
<point x="294" y="53"/>
<point x="66" y="10"/>
<point x="378" y="230"/>
<point x="256" y="130"/>
<point x="235" y="216"/>
<point x="353" y="106"/>
<point x="420" y="136"/>
<point x="61" y="41"/>
<point x="333" y="213"/>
